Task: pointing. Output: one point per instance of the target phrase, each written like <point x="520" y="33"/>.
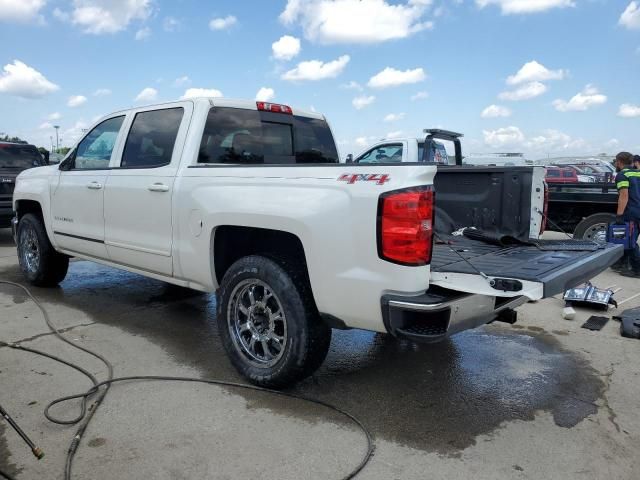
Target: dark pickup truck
<point x="14" y="158"/>
<point x="583" y="209"/>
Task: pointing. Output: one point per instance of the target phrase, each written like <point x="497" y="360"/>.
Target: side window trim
<point x="178" y="148"/>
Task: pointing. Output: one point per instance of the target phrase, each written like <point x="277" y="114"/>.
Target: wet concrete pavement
<point x="536" y="400"/>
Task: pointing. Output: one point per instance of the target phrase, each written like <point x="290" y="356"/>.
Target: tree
<point x="43" y="151"/>
<point x="7" y="138"/>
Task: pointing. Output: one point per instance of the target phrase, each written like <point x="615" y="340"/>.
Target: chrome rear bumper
<point x="438" y="314"/>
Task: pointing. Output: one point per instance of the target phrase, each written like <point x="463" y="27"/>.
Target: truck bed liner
<point x="523" y="262"/>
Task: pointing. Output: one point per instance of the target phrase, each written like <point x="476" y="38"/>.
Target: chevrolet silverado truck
<point x="14" y="158"/>
<point x="249" y="200"/>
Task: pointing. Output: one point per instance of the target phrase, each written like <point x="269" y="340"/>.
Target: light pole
<point x="57" y="142"/>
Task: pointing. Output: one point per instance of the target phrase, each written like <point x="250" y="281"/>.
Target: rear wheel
<point x="268" y="322"/>
<point x="40" y="263"/>
<point x="594" y="227"/>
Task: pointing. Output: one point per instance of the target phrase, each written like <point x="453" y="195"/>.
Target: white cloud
<point x="614" y="142"/>
<point x="628" y="110"/>
<point x="223" y="23"/>
<point x="356" y="21"/>
<point x="286" y="48"/>
<point x="53" y="116"/>
<point x="524" y="92"/>
<point x="21" y="10"/>
<point x="201" y="92"/>
<point x="74" y="133"/>
<point x="508" y="7"/>
<point x="363" y="101"/>
<point x="493" y="111"/>
<point x="419" y="96"/>
<point x="76" y="101"/>
<point x="21" y="80"/>
<point x="143" y="33"/>
<point x="549" y="141"/>
<point x="395" y="134"/>
<point x="534" y="72"/>
<point x="581" y="101"/>
<point x="148" y="94"/>
<point x="555" y="141"/>
<point x="265" y="94"/>
<point x="630" y="18"/>
<point x="182" y="81"/>
<point x="390" y="77"/>
<point x="503" y="137"/>
<point x="102" y="92"/>
<point x="352" y="85"/>
<point x="364" y="141"/>
<point x="317" y="70"/>
<point x="45" y="126"/>
<point x="106" y="16"/>
<point x="171" y="24"/>
<point x="394" y="117"/>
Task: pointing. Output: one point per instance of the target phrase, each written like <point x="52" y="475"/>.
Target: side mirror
<point x="349" y="158"/>
<point x="46" y="158"/>
<point x="66" y="165"/>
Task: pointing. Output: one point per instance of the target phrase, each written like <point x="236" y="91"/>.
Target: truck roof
<point x="231" y="103"/>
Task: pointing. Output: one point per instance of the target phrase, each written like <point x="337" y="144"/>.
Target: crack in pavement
<point x="46" y="334"/>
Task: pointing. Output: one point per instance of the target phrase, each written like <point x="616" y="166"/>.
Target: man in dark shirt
<point x="628" y="185"/>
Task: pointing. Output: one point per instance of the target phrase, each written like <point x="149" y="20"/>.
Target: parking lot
<point x="543" y="398"/>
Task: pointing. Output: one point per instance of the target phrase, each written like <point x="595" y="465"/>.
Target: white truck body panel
<point x="162" y="222"/>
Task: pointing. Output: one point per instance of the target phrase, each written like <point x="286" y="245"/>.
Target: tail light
<point x="405" y="226"/>
<point x="274" y="107"/>
<point x="545" y="209"/>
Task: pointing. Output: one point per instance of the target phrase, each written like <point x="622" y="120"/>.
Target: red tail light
<point x="405" y="226"/>
<point x="545" y="209"/>
<point x="274" y="107"/>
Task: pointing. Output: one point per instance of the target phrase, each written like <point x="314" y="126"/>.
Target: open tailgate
<point x="517" y="270"/>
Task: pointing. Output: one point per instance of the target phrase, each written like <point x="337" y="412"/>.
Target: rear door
<point x="138" y="193"/>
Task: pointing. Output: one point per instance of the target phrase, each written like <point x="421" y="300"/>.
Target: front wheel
<point x="268" y="322"/>
<point x="41" y="265"/>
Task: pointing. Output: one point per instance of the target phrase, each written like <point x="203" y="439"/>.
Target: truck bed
<point x="523" y="262"/>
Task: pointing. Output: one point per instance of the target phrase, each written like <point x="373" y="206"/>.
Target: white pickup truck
<point x="248" y="199"/>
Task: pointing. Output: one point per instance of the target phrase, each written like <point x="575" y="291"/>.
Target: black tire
<point x="591" y="227"/>
<point x="306" y="338"/>
<point x="51" y="267"/>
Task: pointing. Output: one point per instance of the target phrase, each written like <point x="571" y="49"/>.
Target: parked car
<point x="248" y="199"/>
<point x="14" y="158"/>
<point x="561" y="175"/>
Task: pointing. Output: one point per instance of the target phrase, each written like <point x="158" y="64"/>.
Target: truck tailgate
<point x="541" y="273"/>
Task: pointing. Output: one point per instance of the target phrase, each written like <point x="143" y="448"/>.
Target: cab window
<point x="94" y="151"/>
<point x="382" y="154"/>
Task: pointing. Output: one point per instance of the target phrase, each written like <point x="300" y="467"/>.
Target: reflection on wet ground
<point x="432" y="397"/>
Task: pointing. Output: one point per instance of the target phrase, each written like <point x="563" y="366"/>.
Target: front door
<point x="77" y="199"/>
<point x="138" y="193"/>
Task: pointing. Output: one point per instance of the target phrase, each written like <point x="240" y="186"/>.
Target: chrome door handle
<point x="94" y="185"/>
<point x="158" y="187"/>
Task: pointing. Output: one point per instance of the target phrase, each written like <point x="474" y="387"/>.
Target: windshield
<point x="19" y="156"/>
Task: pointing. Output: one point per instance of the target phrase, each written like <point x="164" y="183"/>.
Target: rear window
<point x="238" y="136"/>
<point x="19" y="156"/>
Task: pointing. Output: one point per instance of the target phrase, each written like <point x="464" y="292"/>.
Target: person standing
<point x="628" y="185"/>
<point x="636" y="162"/>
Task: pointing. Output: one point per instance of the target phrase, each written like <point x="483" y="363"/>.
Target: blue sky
<point x="544" y="77"/>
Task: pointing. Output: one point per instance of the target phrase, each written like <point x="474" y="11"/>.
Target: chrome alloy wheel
<point x="29" y="249"/>
<point x="596" y="233"/>
<point x="257" y="323"/>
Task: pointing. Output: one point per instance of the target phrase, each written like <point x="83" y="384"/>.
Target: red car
<point x="561" y="175"/>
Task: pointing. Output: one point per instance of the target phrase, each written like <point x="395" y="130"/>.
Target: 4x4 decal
<point x="351" y="178"/>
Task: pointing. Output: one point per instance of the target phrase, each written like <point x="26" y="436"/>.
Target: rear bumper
<point x="440" y="313"/>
